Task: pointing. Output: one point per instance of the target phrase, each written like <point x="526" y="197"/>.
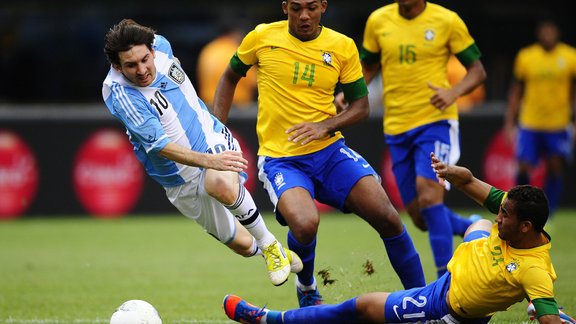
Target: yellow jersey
<point x="488" y="275"/>
<point x="547" y="78"/>
<point x="413" y="52"/>
<point x="296" y="82"/>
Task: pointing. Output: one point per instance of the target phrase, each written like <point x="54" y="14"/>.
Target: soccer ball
<point x="136" y="312"/>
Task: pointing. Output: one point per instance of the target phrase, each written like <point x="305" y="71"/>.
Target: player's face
<point x="304" y="17"/>
<point x="409" y="3"/>
<point x="548" y="35"/>
<point x="137" y="65"/>
<point x="508" y="224"/>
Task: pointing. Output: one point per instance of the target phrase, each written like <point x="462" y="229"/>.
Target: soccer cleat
<point x="531" y="311"/>
<point x="296" y="264"/>
<point x="564" y="318"/>
<point x="277" y="263"/>
<point x="309" y="297"/>
<point x="240" y="311"/>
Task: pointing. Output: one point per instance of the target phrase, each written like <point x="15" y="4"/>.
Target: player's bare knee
<point x="370" y="307"/>
<point x="220" y="186"/>
<point x="428" y="199"/>
<point x="481" y="225"/>
<point x="419" y="223"/>
<point x="304" y="232"/>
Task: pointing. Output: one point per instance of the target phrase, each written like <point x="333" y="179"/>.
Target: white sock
<point x="304" y="287"/>
<point x="264" y="317"/>
<point x="245" y="210"/>
<point x="255" y="249"/>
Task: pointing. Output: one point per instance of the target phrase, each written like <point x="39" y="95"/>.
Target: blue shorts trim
<point x="532" y="145"/>
<point x="328" y="175"/>
<point x="410" y="153"/>
<point x="418" y="304"/>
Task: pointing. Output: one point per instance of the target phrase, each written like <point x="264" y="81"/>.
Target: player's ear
<point x="117" y="67"/>
<point x="324" y="4"/>
<point x="526" y="226"/>
<point x="285" y="7"/>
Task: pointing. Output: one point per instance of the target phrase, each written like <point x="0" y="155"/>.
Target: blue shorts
<point x="425" y="303"/>
<point x="328" y="175"/>
<point x="410" y="153"/>
<point x="531" y="145"/>
<point x="419" y="304"/>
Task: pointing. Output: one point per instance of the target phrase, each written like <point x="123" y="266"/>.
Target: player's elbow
<point x="363" y="109"/>
<point x="479" y="71"/>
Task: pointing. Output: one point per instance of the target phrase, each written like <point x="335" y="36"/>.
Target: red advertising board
<point x="107" y="176"/>
<point x="18" y="175"/>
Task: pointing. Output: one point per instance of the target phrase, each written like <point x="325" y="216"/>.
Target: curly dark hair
<point x="531" y="205"/>
<point x="125" y="35"/>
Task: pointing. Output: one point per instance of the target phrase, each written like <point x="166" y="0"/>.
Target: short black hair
<point x="531" y="205"/>
<point x="125" y="35"/>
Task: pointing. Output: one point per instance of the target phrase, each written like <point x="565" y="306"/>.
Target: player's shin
<point x="245" y="210"/>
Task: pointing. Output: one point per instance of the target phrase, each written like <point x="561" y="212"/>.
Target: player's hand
<point x="442" y="97"/>
<point x="227" y="161"/>
<point x="340" y="102"/>
<point x="305" y="133"/>
<point x="440" y="168"/>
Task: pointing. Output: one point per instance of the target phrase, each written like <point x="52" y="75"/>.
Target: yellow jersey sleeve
<point x="538" y="283"/>
<point x="460" y="38"/>
<point x="246" y="52"/>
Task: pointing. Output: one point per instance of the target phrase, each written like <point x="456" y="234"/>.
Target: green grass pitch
<point x="79" y="269"/>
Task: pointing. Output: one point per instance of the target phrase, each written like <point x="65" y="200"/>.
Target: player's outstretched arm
<point x="224" y="94"/>
<point x="462" y="178"/>
<point x="224" y="161"/>
<point x="549" y="319"/>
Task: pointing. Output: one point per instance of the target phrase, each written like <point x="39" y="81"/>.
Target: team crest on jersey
<point x="176" y="74"/>
<point x="511" y="267"/>
<point x="327" y="58"/>
<point x="279" y="180"/>
<point x="429" y="35"/>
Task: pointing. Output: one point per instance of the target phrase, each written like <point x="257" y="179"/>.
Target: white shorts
<point x="193" y="202"/>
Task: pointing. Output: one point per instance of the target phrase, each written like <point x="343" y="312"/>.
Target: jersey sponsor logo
<point x="511" y="267"/>
<point x="279" y="180"/>
<point x="561" y="62"/>
<point x="395" y="308"/>
<point x="327" y="58"/>
<point x="176" y="74"/>
<point x="429" y="35"/>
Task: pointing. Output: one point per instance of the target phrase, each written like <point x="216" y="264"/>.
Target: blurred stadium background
<point x="60" y="151"/>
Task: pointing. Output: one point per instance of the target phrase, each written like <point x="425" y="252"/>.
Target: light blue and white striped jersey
<point x="168" y="110"/>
